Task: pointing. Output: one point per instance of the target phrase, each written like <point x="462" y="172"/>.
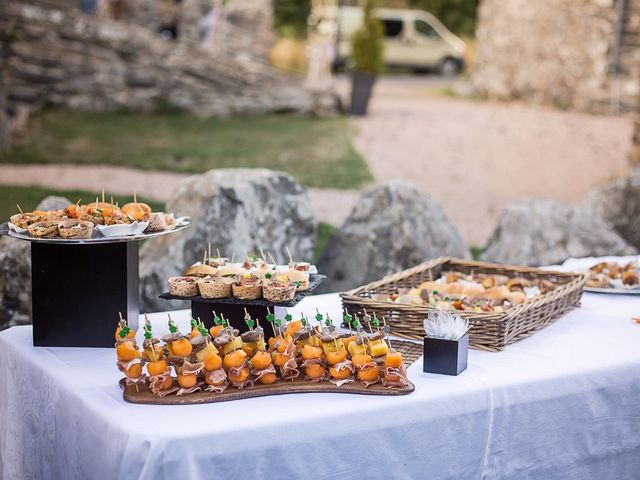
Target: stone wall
<point x="559" y="52"/>
<point x="68" y="59"/>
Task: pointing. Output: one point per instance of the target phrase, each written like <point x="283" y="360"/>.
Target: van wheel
<point x="450" y="67"/>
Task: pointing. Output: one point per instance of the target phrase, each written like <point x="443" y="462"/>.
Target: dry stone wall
<point x="560" y="52"/>
<point x="65" y="58"/>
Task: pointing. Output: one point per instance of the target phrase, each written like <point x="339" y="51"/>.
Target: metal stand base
<point x="234" y="312"/>
<point x="78" y="290"/>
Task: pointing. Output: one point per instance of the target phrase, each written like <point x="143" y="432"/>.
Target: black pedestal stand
<point x="79" y="286"/>
<point x="78" y="290"/>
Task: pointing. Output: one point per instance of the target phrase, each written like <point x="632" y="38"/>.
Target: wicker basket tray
<point x="490" y="331"/>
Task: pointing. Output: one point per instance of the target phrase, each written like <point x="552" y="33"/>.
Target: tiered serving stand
<point x="79" y="286"/>
<point x="234" y="309"/>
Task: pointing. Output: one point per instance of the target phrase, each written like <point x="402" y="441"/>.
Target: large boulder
<point x="618" y="203"/>
<point x="237" y="210"/>
<point x="15" y="273"/>
<point x="544" y="232"/>
<point x="392" y="227"/>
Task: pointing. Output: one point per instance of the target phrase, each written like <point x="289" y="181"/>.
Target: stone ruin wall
<point x="558" y="52"/>
<point x="62" y="57"/>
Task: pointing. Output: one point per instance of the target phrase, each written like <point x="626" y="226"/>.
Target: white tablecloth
<point x="562" y="404"/>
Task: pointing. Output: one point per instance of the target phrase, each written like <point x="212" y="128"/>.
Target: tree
<point x="366" y="46"/>
<point x="459" y="16"/>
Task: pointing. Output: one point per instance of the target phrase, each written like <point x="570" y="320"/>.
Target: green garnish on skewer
<point x="348" y="319"/>
<point x="172" y="326"/>
<point x="203" y="330"/>
<point x="147" y="329"/>
<point x="250" y="323"/>
<point x="288" y="317"/>
<point x="270" y="317"/>
<point x="303" y="321"/>
<point x="124" y="331"/>
<point x="217" y="320"/>
<point x="194" y="323"/>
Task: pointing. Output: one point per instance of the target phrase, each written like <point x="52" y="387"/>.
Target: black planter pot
<point x="446" y="357"/>
<point x="361" y="86"/>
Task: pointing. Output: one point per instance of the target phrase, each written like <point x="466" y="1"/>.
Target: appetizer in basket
<point x="476" y="292"/>
<point x="253" y="279"/>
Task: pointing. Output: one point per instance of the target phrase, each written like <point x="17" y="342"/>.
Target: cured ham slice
<point x="290" y="369"/>
<point x="346" y="364"/>
<point x="241" y="385"/>
<point x="395" y="377"/>
<point x="368" y="383"/>
<point x="339" y="383"/>
<point x="235" y="371"/>
<point x="311" y="361"/>
<point x="157" y="382"/>
<point x="215" y="377"/>
<point x="217" y="388"/>
<point x="186" y="391"/>
<point x="258" y="374"/>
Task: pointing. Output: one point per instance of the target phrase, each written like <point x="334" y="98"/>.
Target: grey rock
<point x="392" y="227"/>
<point x="545" y="232"/>
<point x="237" y="210"/>
<point x="15" y="273"/>
<point x="618" y="203"/>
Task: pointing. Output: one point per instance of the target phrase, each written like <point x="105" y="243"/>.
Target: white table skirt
<point x="562" y="404"/>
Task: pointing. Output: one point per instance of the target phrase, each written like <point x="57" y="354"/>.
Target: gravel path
<point x="473" y="157"/>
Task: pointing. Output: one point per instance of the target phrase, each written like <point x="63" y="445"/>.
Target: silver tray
<point x="617" y="291"/>
<point x="181" y="224"/>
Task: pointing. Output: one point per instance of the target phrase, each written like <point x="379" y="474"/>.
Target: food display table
<point x="562" y="404"/>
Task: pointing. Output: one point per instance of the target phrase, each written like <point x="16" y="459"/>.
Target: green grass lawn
<point x="317" y="152"/>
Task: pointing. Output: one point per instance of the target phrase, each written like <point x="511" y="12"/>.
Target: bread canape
<point x="299" y="278"/>
<point x="43" y="229"/>
<point x="137" y="211"/>
<point x="215" y="287"/>
<point x="160" y="221"/>
<point x="200" y="270"/>
<point x="159" y="371"/>
<point x="129" y="357"/>
<point x="183" y="286"/>
<point x="279" y="292"/>
<point x="76" y="229"/>
<point x="247" y="286"/>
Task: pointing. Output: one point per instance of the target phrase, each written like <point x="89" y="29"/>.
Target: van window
<point x="392" y="28"/>
<point x="425" y="29"/>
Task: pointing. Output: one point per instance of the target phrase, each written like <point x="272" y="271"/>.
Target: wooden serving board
<point x="281" y="387"/>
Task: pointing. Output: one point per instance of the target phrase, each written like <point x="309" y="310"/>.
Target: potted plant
<point x="366" y="55"/>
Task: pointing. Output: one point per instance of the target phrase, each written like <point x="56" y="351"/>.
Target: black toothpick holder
<point x="446" y="357"/>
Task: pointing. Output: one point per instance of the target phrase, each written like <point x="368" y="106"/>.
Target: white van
<point x="412" y="39"/>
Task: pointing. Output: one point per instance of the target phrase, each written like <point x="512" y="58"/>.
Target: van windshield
<point x="392" y="28"/>
<point x="424" y="28"/>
